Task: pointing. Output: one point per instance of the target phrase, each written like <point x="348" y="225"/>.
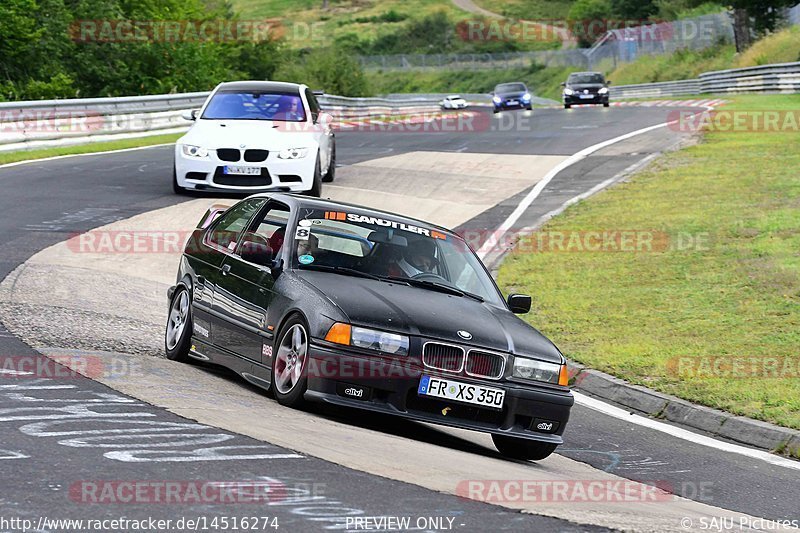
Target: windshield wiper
<point x="433" y="285"/>
<point x="341" y="270"/>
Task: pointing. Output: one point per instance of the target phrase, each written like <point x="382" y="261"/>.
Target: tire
<point x="567" y="106"/>
<point x="606" y="104"/>
<point x="177" y="189"/>
<point x="316" y="187"/>
<point x="331" y="174"/>
<point x="529" y="108"/>
<point x="178" y="333"/>
<point x="524" y="449"/>
<point x="290" y="352"/>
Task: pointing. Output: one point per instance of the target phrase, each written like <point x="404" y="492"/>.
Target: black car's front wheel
<point x="290" y="363"/>
<point x="524" y="449"/>
<point x="178" y="336"/>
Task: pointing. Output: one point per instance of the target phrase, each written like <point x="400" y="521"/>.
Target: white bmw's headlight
<point x="293" y="153"/>
<point x="379" y="340"/>
<point x="569" y="92"/>
<point x="525" y="368"/>
<point x="193" y="151"/>
<point x="604" y="90"/>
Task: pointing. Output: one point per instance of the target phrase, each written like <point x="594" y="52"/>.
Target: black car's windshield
<point x="510" y="88"/>
<point x="586" y="78"/>
<point x="388" y="249"/>
<point x="239" y="105"/>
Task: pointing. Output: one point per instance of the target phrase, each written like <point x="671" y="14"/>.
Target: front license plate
<point x="245" y="171"/>
<point x="461" y="392"/>
<point x="512" y="102"/>
<point x="587" y="96"/>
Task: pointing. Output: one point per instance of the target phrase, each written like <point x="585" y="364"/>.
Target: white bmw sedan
<point x="253" y="136"/>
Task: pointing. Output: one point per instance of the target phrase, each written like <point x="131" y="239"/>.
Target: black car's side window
<point x="270" y="226"/>
<point x="225" y="233"/>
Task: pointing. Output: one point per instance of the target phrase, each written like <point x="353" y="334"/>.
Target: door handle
<point x="226" y="269"/>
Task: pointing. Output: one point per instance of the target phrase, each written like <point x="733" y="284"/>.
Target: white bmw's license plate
<point x="461" y="392"/>
<point x="246" y="171"/>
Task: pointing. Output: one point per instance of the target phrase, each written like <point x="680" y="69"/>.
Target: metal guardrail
<point x="47" y="123"/>
<point x="783" y="78"/>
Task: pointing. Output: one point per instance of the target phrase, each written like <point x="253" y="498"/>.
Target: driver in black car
<point x="419" y="258"/>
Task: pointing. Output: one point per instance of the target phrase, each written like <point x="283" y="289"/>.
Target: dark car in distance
<point x="585" y="88"/>
<point x="511" y="96"/>
<point x="331" y="302"/>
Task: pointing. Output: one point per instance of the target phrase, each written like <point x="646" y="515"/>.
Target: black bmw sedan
<point x="330" y="302"/>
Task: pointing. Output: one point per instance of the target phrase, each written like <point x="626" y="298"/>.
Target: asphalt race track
<point x="61" y="434"/>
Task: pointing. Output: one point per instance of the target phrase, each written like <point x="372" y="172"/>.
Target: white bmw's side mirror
<point x="190" y="115"/>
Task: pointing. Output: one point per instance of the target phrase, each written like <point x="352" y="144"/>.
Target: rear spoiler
<point x="211" y="215"/>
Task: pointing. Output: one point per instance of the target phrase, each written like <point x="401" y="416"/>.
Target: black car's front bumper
<point x="390" y="386"/>
<point x="595" y="98"/>
<point x="506" y="104"/>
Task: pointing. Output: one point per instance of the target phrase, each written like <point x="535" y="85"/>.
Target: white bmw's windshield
<point x="239" y="105"/>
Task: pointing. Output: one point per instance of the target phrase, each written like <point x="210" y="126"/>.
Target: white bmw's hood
<point x="267" y="135"/>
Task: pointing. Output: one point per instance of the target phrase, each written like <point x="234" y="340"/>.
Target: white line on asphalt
<point x="681" y="433"/>
<point x="27" y="161"/>
<point x="497" y="235"/>
<point x="15" y="372"/>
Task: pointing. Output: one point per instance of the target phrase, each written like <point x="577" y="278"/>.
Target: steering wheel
<point x="429" y="276"/>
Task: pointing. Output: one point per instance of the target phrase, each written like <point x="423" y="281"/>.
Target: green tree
<point x="330" y="69"/>
<point x="583" y="20"/>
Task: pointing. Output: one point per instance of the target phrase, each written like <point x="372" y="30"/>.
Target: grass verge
<point x="716" y="323"/>
<point x="42" y="153"/>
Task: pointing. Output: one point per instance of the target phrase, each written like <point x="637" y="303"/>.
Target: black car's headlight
<point x="535" y="370"/>
<point x="569" y="92"/>
<point x="371" y="339"/>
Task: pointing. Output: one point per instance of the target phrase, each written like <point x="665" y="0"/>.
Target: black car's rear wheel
<point x="178" y="336"/>
<point x="290" y="363"/>
<point x="527" y="450"/>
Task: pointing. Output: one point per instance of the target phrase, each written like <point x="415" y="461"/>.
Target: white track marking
<point x="622" y="414"/>
<point x="497" y="235"/>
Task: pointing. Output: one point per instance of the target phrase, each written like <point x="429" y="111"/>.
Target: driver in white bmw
<point x="253" y="136"/>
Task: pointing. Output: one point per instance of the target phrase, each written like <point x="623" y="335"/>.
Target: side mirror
<point x="258" y="253"/>
<point x="189" y="115"/>
<point x="608" y="82"/>
<point x="519" y="303"/>
<point x="563" y="84"/>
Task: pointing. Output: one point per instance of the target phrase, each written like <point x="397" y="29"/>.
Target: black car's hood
<point x="582" y="86"/>
<point x="416" y="311"/>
